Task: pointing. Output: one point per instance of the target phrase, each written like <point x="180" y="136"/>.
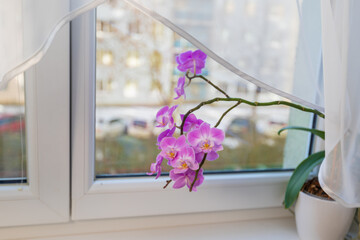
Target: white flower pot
<point x="319" y="219"/>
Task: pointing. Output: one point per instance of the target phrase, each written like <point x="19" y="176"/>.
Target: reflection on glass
<point x="139" y="78"/>
<point x="12" y="130"/>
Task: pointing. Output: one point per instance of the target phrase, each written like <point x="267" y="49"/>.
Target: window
<point x="12" y="132"/>
<point x="122" y="71"/>
<point x="141" y="79"/>
<point x="34" y="140"/>
<point x="107" y="99"/>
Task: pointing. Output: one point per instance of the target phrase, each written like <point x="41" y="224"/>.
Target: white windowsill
<point x="259" y="224"/>
<point x="150" y="184"/>
<point x="226" y="192"/>
<point x="278" y="229"/>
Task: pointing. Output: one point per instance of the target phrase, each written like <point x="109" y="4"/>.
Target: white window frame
<point x="45" y="197"/>
<point x="143" y="196"/>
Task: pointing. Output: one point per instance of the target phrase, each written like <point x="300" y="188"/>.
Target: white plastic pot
<point x="320" y="219"/>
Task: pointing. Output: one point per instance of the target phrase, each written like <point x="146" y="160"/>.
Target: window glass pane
<point x="136" y="74"/>
<point x="12" y="132"/>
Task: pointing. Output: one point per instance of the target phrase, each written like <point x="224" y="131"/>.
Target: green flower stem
<point x="239" y="101"/>
<point x="255" y="104"/>
<point x="203" y="160"/>
<point x="223" y="115"/>
<point x="208" y="81"/>
<point x="197" y="171"/>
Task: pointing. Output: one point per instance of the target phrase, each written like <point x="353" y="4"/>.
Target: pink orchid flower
<point x="164" y="116"/>
<point x="170" y="147"/>
<point x="191" y="122"/>
<point x="185" y="160"/>
<point x="207" y="140"/>
<point x="190" y="61"/>
<point x="186" y="178"/>
<point x="179" y="89"/>
<point x="156" y="167"/>
<point x="199" y="157"/>
<point x="166" y="133"/>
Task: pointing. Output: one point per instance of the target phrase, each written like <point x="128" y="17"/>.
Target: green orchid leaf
<point x="299" y="177"/>
<point x="316" y="132"/>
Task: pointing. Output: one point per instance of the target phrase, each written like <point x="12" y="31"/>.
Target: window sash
<point x="124" y="197"/>
<point x="45" y="197"/>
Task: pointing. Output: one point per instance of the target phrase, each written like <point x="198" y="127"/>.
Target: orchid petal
<point x="191" y="176"/>
<point x="179" y="170"/>
<point x="158" y="172"/>
<point x="175" y="176"/>
<point x="194" y="137"/>
<point x="191" y="60"/>
<point x="205" y="129"/>
<point x="188" y="65"/>
<point x="179" y="89"/>
<point x="167" y="142"/>
<point x="172" y="109"/>
<point x="211" y="156"/>
<point x="166" y="133"/>
<point x="152" y="169"/>
<point x="217" y="135"/>
<point x="199" y="54"/>
<point x="181" y="81"/>
<point x="199" y="157"/>
<point x="185" y="56"/>
<point x="171" y="122"/>
<point x="194" y="165"/>
<point x="162" y="111"/>
<point x="199" y="64"/>
<point x="178" y="59"/>
<point x="218" y="148"/>
<point x="181" y="141"/>
<point x="179" y="183"/>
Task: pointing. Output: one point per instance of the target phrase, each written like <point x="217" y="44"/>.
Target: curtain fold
<point x="182" y="22"/>
<point x="276" y="26"/>
<point x="340" y="172"/>
<point x="27" y="28"/>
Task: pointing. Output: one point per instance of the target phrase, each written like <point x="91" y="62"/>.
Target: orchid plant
<point x="198" y="141"/>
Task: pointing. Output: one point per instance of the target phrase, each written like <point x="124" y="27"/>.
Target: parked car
<point x="140" y="128"/>
<point x="237" y="132"/>
<point x="238" y="128"/>
<point x="111" y="127"/>
<point x="12" y="123"/>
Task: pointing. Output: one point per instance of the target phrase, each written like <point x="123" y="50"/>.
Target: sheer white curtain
<point x="23" y="44"/>
<point x="283" y="14"/>
<point x="340" y="172"/>
<point x="277" y="25"/>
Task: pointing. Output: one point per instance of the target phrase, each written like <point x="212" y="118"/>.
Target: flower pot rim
<point x="317" y="197"/>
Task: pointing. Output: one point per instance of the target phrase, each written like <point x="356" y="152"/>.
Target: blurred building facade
<point x="136" y="55"/>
